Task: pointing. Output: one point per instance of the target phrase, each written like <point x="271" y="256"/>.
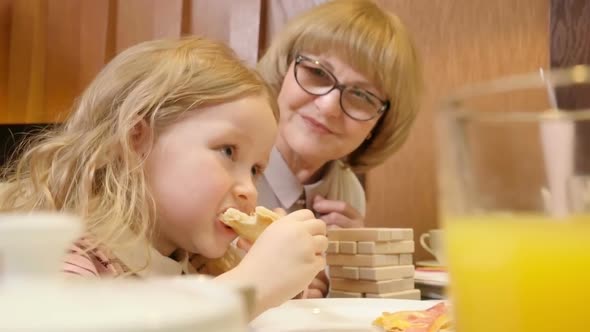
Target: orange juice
<point x="519" y="273"/>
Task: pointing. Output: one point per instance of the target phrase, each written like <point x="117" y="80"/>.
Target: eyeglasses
<point x="316" y="80"/>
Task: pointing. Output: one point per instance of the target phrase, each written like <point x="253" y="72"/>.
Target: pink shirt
<point x="137" y="259"/>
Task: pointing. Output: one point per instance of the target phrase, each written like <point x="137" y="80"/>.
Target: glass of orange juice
<point x="514" y="166"/>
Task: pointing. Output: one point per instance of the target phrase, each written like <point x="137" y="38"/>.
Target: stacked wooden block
<point x="371" y="262"/>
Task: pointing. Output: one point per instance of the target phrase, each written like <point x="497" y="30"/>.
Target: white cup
<point x="433" y="243"/>
<point x="32" y="245"/>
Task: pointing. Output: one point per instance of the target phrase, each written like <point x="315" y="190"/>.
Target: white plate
<point x="429" y="263"/>
<point x="322" y="315"/>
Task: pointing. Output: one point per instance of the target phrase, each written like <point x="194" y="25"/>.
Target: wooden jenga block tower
<point x="371" y="262"/>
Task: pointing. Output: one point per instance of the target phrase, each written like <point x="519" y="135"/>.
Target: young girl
<point x="167" y="137"/>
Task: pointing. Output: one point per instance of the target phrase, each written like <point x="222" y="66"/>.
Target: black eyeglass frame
<point x="385" y="104"/>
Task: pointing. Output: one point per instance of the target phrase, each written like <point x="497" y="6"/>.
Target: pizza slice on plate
<point x="434" y="319"/>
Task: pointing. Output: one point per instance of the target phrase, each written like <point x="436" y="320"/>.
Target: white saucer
<point x="429" y="263"/>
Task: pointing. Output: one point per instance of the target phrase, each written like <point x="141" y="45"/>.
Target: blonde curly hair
<point x="375" y="43"/>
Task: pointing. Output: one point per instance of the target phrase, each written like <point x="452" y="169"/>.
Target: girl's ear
<point x="141" y="138"/>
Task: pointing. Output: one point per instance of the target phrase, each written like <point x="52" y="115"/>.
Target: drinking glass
<point x="514" y="160"/>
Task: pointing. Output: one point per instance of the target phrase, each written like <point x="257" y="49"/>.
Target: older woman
<point x="348" y="82"/>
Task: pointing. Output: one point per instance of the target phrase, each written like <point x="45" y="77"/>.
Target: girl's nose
<point x="246" y="194"/>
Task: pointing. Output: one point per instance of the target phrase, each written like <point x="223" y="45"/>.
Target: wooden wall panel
<point x="460" y="42"/>
<point x="54" y="48"/>
<point x="94" y="39"/>
<point x="141" y="20"/>
<point x="62" y="58"/>
<point x="277" y="13"/>
<point x="5" y="22"/>
<point x="26" y="63"/>
<point x="206" y="19"/>
<point x="236" y="23"/>
<point x="244" y="29"/>
<point x="167" y="18"/>
<point x="570" y="32"/>
<point x="76" y="34"/>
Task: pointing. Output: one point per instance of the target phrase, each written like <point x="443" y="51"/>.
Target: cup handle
<point x="424" y="245"/>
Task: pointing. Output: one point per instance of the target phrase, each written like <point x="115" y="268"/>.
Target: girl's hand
<point x="245" y="245"/>
<point x="338" y="213"/>
<point x="285" y="258"/>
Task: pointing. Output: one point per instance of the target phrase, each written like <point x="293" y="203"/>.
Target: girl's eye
<point x="229" y="151"/>
<point x="256" y="171"/>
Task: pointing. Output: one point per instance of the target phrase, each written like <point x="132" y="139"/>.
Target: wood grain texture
<point x="134" y="23"/>
<point x="5" y="22"/>
<point x="278" y="13"/>
<point x="94" y="39"/>
<point x="460" y="42"/>
<point x="77" y="42"/>
<point x="111" y="46"/>
<point x="236" y="23"/>
<point x="570" y="45"/>
<point x="570" y="31"/>
<point x="53" y="49"/>
<point x="167" y="18"/>
<point x="141" y="20"/>
<point x="244" y="29"/>
<point x="63" y="61"/>
<point x="210" y="19"/>
<point x="26" y="63"/>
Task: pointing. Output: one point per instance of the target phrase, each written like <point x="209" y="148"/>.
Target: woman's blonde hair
<point x="375" y="43"/>
<point x="88" y="165"/>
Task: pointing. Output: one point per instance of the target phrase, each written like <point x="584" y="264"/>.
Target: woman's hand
<point x="318" y="287"/>
<point x="337" y="213"/>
